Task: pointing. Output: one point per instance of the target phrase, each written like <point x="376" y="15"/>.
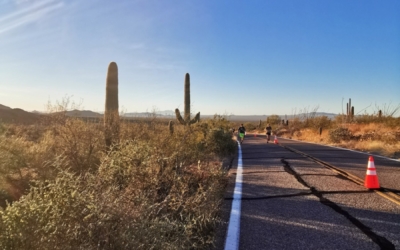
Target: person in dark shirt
<point x="242" y="133"/>
<point x="268" y="129"/>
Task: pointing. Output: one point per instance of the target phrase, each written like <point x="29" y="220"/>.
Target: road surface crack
<point x="381" y="241"/>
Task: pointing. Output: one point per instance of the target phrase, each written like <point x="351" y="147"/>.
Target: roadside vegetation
<point x="365" y="133"/>
<point x="157" y="188"/>
<point x="373" y="133"/>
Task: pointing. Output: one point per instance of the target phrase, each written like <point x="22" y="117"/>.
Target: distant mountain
<point x="4" y="107"/>
<point x="164" y="113"/>
<point x="283" y="117"/>
<point x="329" y="115"/>
<point x="9" y="115"/>
<point x="37" y="112"/>
<point x="82" y="113"/>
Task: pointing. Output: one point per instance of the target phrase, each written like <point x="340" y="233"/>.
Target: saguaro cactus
<point x="186" y="120"/>
<point x="111" y="115"/>
<point x="350" y="110"/>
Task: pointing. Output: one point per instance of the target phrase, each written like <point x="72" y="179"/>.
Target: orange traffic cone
<point x="276" y="140"/>
<point x="371" y="179"/>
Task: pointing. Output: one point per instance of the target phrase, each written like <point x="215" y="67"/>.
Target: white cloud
<point x="32" y="13"/>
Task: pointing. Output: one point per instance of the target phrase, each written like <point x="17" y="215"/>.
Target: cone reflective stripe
<point x="371" y="178"/>
<point x="276" y="140"/>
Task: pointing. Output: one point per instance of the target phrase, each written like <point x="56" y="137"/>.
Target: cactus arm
<point x="195" y="119"/>
<point x="179" y="117"/>
<point x="186" y="115"/>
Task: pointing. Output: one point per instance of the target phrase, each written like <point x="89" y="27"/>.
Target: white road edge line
<point x="233" y="235"/>
<point x="379" y="156"/>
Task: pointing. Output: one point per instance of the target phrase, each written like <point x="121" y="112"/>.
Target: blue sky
<point x="255" y="57"/>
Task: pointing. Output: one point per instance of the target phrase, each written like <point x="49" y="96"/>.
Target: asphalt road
<point x="353" y="162"/>
<point x="290" y="202"/>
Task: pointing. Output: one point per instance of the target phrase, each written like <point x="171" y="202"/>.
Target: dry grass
<point x="374" y="147"/>
<point x="381" y="138"/>
<point x="153" y="190"/>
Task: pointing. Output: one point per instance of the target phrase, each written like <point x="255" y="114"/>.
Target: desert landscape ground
<point x="59" y="179"/>
<point x="76" y="179"/>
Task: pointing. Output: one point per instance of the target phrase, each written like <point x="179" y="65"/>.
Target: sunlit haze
<point x="243" y="57"/>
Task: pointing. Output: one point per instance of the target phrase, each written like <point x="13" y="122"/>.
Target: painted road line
<point x="233" y="235"/>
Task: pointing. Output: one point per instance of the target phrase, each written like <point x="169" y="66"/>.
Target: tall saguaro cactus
<point x="186" y="120"/>
<point x="187" y="98"/>
<point x="111" y="115"/>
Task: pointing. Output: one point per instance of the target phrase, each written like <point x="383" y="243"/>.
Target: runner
<point x="242" y="133"/>
<point x="268" y="129"/>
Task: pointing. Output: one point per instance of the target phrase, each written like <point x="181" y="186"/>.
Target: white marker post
<point x="232" y="238"/>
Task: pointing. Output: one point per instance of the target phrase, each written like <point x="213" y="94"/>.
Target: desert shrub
<point x="338" y="134"/>
<point x="295" y="125"/>
<point x="153" y="190"/>
<point x="16" y="170"/>
<point x="391" y="122"/>
<point x="366" y="119"/>
<point x="391" y="137"/>
<point x="79" y="142"/>
<point x="250" y="126"/>
<point x="340" y="119"/>
<point x="28" y="132"/>
<point x="217" y="136"/>
<point x="71" y="212"/>
<point x="274" y="120"/>
<point x="27" y="152"/>
<point x="219" y="142"/>
<point x="4" y="198"/>
<point x="3" y="128"/>
<point x="319" y="122"/>
<point x="137" y="200"/>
